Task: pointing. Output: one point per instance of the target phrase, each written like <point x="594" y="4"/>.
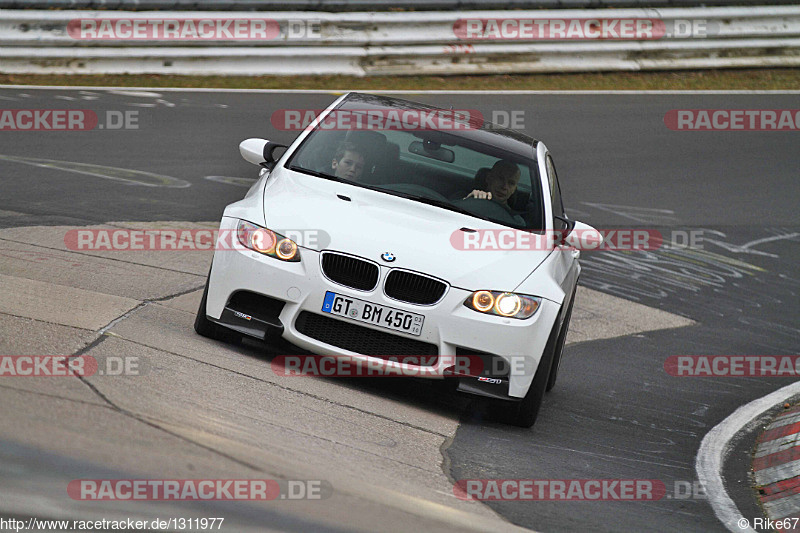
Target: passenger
<point x="348" y="162"/>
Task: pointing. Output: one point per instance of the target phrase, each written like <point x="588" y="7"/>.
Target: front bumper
<point x="449" y="326"/>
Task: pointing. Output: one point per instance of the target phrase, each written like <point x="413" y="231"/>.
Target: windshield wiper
<point x="432" y="201"/>
<point x="320" y="174"/>
<point x="447" y="205"/>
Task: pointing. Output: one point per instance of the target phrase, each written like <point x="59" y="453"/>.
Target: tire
<point x="524" y="413"/>
<point x="559" y="349"/>
<point x="203" y="326"/>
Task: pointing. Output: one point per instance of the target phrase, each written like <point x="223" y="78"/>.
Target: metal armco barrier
<point x="292" y="43"/>
<point x="367" y="5"/>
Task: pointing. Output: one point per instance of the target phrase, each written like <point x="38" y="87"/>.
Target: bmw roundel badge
<point x="388" y="257"/>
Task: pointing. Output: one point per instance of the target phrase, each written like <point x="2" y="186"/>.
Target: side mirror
<point x="260" y="152"/>
<point x="583" y="237"/>
<point x="562" y="234"/>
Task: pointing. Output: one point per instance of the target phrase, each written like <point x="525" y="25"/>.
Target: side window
<point x="555" y="194"/>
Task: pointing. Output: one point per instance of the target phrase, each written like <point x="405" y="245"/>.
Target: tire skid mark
<point x="123" y="175"/>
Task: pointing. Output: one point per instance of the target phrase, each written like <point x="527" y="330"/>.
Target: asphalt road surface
<point x="391" y="449"/>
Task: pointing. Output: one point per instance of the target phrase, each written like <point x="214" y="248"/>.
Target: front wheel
<point x="559" y="349"/>
<point x="524" y="413"/>
<point x="205" y="327"/>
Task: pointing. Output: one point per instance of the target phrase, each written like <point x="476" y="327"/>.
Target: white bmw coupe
<point x="437" y="238"/>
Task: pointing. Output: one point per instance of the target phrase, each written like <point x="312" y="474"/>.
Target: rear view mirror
<point x="434" y="150"/>
<point x="260" y="152"/>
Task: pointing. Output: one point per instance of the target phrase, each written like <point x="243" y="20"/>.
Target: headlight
<point x="267" y="242"/>
<point x="505" y="304"/>
<point x="482" y="301"/>
<point x="286" y="249"/>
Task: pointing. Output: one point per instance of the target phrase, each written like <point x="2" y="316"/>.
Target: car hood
<point x="329" y="215"/>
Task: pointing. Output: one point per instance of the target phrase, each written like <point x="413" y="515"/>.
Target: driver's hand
<point x="481" y="195"/>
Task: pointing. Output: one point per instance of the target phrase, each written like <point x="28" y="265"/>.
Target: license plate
<point x="378" y="315"/>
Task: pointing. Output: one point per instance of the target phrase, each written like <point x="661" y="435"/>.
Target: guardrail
<point x="367" y="5"/>
<point x="291" y="43"/>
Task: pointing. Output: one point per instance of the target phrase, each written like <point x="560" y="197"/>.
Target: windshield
<point x="431" y="166"/>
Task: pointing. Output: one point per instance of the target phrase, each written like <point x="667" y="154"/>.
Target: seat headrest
<point x="392" y="151"/>
<point x="368" y="140"/>
<point x="480" y="178"/>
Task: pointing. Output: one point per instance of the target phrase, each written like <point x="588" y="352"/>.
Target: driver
<point x="502" y="182"/>
<point x="348" y="162"/>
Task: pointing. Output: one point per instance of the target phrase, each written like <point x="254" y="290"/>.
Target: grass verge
<point x="746" y="79"/>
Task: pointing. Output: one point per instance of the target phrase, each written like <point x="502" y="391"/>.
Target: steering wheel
<point x="487" y="209"/>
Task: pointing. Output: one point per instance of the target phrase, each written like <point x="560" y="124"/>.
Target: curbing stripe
<point x="785" y="420"/>
<point x="716" y="446"/>
<point x="788" y="412"/>
<point x="781" y="472"/>
<point x="775" y="433"/>
<point x="780" y="489"/>
<point x="775" y="446"/>
<point x="776" y="466"/>
<point x="773" y="459"/>
<point x="783" y="508"/>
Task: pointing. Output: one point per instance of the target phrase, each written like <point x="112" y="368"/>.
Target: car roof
<point x="484" y="132"/>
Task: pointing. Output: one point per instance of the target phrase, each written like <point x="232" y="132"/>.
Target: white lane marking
<point x="138" y="90"/>
<point x="715" y="447"/>
<point x="644" y="215"/>
<point x="770" y="239"/>
<point x="140" y="94"/>
<point x="747" y="248"/>
<point x="131" y="177"/>
<point x="230" y="180"/>
<point x="132" y="92"/>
